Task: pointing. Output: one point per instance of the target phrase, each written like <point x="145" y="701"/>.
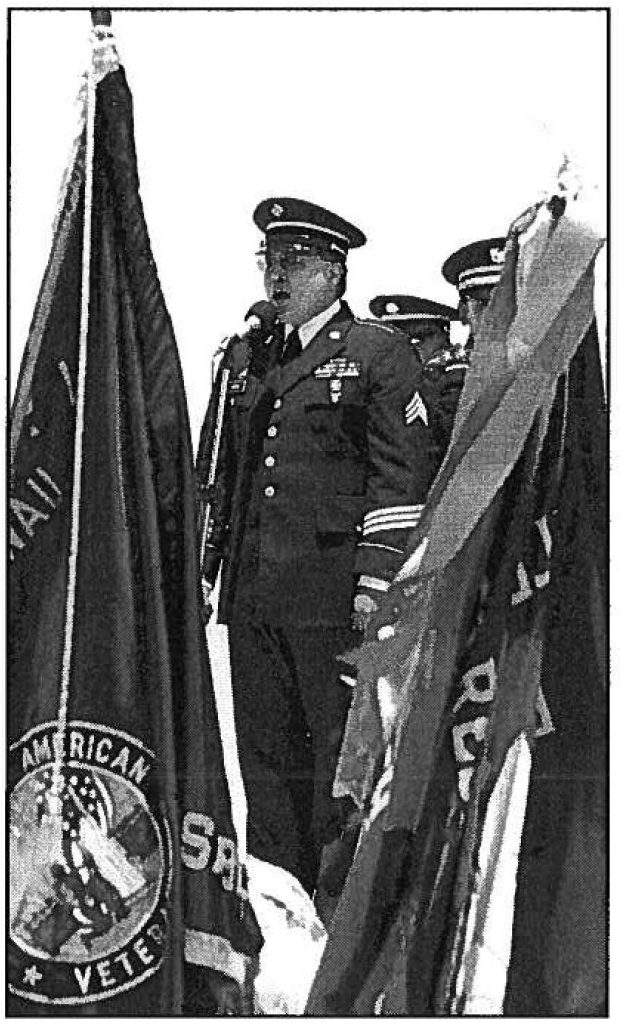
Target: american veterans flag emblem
<point x="93" y="861"/>
<point x="415" y="409"/>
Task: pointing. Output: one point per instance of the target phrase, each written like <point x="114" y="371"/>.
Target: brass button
<point x="270" y="461"/>
<point x="278" y="403"/>
<point x="269" y="492"/>
<point x="272" y="432"/>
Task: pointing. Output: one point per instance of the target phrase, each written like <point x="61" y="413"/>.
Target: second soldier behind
<point x="427" y="324"/>
<point x="474" y="270"/>
<point x="325" y="470"/>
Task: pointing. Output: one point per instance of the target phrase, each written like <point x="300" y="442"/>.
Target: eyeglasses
<point x="287" y="260"/>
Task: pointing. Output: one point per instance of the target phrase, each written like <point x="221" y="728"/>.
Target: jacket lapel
<point x="330" y="340"/>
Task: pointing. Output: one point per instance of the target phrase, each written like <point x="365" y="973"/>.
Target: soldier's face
<point x="472" y="306"/>
<point x="429" y="340"/>
<point x="300" y="284"/>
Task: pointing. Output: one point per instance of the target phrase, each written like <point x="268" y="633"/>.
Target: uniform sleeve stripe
<point x="402" y="524"/>
<point x="384" y="547"/>
<point x="389" y="517"/>
<point x="374" y="583"/>
<point x="391" y="508"/>
<point x="382" y="520"/>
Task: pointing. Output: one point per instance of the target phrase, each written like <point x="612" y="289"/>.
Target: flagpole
<point x="59" y="755"/>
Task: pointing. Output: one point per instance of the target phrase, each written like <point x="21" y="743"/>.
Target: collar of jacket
<point x="330" y="340"/>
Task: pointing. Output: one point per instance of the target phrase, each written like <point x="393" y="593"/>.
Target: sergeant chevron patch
<point x="416" y="409"/>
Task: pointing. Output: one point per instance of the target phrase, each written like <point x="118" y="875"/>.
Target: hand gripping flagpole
<point x="98" y="18"/>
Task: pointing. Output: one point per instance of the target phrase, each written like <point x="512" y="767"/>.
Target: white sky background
<point x="427" y="129"/>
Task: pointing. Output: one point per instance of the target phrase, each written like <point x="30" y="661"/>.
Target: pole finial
<point x="101" y="16"/>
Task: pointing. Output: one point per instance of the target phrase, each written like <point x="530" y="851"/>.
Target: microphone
<point x="261" y="317"/>
<point x="259" y="323"/>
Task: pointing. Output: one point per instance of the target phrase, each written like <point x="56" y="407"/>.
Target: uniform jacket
<point x="443" y="379"/>
<point x="324" y="469"/>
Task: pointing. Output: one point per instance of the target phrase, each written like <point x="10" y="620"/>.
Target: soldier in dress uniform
<point x="324" y="469"/>
<point x="427" y="324"/>
<point x="475" y="269"/>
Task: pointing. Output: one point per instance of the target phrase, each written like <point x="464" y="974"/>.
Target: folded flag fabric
<point x="492" y="636"/>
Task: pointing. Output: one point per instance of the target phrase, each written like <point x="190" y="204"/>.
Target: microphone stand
<point x="208" y="520"/>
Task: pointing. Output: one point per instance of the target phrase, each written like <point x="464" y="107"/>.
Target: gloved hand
<point x="364" y="607"/>
<point x="207" y="608"/>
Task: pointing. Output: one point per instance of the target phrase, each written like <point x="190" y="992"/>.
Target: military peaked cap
<point x="398" y="308"/>
<point x="477" y="264"/>
<point x="301" y="218"/>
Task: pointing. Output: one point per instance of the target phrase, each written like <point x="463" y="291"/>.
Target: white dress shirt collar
<point x="311" y="328"/>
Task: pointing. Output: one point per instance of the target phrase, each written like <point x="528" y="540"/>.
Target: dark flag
<point x="489" y="672"/>
<point x="124" y="867"/>
<point x="559" y="958"/>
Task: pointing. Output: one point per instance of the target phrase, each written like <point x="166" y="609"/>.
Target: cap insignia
<point x="391" y="307"/>
<point x="497" y="255"/>
<point x="277" y="210"/>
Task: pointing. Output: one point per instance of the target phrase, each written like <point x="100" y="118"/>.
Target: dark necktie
<point x="292" y="347"/>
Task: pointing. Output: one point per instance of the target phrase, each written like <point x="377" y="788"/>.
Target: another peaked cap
<point x="297" y="216"/>
<point x="477" y="264"/>
<point x="411" y="308"/>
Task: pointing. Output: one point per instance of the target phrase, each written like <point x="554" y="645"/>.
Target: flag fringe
<point x="216" y="952"/>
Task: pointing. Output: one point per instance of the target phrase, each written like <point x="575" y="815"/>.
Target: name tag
<point x="239" y="383"/>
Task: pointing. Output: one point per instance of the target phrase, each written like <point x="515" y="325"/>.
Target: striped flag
<point x="486" y="688"/>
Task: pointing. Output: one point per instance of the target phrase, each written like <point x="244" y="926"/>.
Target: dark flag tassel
<point x="479" y="881"/>
<point x="127" y="896"/>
